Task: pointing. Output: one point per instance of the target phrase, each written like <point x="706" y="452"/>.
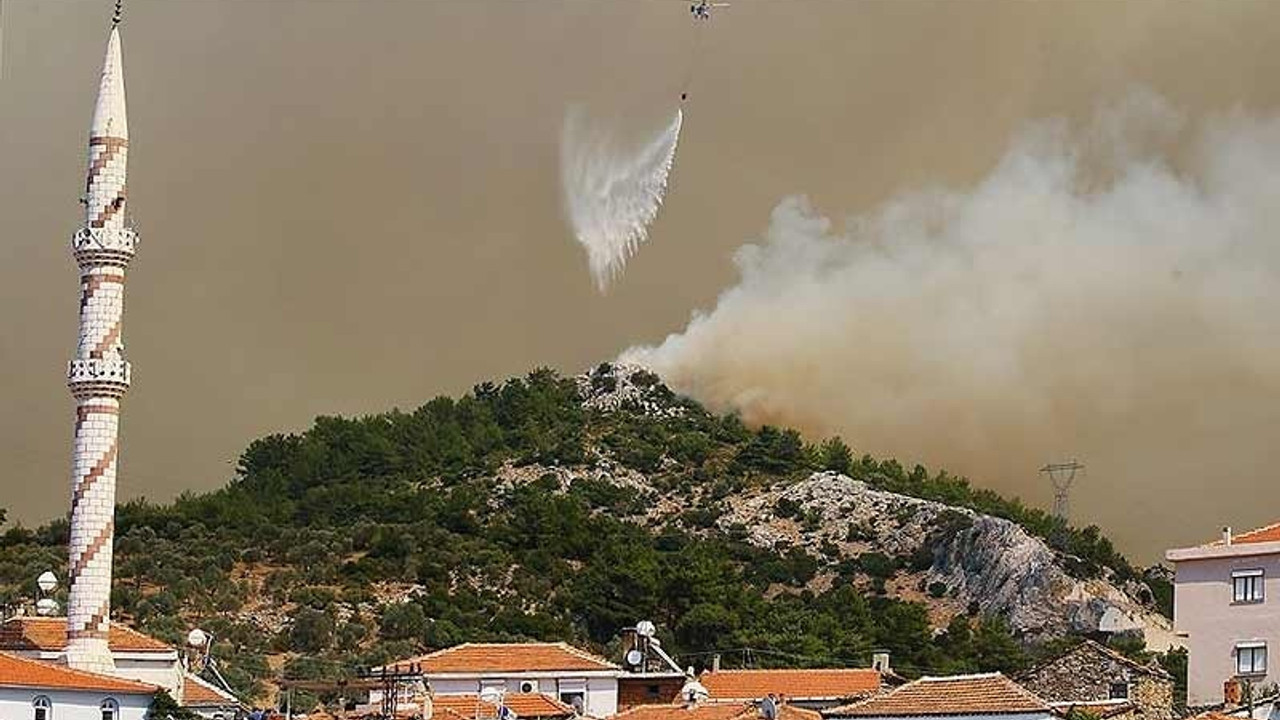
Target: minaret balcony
<point x="98" y="376"/>
<point x="104" y="245"/>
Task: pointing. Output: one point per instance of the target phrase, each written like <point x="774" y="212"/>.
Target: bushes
<point x="321" y="521"/>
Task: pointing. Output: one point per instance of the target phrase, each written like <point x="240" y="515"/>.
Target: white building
<point x="986" y="696"/>
<point x="135" y="656"/>
<point x="1227" y="606"/>
<point x="575" y="677"/>
<point x="34" y="690"/>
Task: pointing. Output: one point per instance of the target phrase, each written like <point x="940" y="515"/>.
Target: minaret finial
<point x="115" y="17"/>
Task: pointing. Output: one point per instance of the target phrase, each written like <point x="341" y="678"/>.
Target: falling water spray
<point x="613" y="193"/>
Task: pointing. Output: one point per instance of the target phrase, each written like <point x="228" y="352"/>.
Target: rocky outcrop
<point x="972" y="559"/>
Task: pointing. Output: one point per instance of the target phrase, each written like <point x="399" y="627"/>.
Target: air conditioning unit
<point x="528" y="686"/>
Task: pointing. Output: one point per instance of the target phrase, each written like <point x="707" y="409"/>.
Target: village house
<point x="988" y="696"/>
<point x="137" y="657"/>
<point x="35" y="690"/>
<point x="1101" y="681"/>
<point x="584" y="682"/>
<point x="1227" y="606"/>
<point x="813" y="689"/>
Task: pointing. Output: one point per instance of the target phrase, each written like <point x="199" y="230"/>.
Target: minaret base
<point x="90" y="655"/>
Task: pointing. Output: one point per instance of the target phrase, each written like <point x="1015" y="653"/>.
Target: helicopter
<point x="702" y="10"/>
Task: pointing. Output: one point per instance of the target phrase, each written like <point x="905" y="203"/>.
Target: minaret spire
<point x="99" y="375"/>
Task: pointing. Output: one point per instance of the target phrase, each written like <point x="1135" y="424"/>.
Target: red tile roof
<point x="197" y="692"/>
<point x="793" y="684"/>
<point x="471" y="658"/>
<point x="18" y="671"/>
<point x="50" y="635"/>
<point x="1269" y="533"/>
<point x="986" y="694"/>
<point x="712" y="711"/>
<point x="529" y="705"/>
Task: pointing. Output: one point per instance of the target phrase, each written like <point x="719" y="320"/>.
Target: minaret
<point x="99" y="374"/>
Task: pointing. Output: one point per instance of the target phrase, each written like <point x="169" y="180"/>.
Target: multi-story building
<point x="1227" y="606"/>
<point x="584" y="682"/>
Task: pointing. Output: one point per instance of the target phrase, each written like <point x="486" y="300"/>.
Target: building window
<point x="1119" y="691"/>
<point x="1251" y="659"/>
<point x="575" y="700"/>
<point x="110" y="709"/>
<point x="42" y="708"/>
<point x="1246" y="586"/>
<point x="653" y="692"/>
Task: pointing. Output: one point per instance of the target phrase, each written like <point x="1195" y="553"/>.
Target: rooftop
<point x="1087" y="645"/>
<point x="198" y="692"/>
<point x="984" y="694"/>
<point x="470" y="658"/>
<point x="712" y="711"/>
<point x="794" y="684"/>
<point x="49" y="634"/>
<point x="1268" y="533"/>
<point x="18" y="671"/>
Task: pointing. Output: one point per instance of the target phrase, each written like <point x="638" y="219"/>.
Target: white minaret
<point x="99" y="375"/>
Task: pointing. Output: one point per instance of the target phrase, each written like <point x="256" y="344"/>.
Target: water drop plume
<point x="612" y="193"/>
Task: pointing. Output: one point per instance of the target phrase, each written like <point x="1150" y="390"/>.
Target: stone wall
<point x="1087" y="673"/>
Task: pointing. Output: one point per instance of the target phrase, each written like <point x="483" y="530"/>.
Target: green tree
<point x="836" y="456"/>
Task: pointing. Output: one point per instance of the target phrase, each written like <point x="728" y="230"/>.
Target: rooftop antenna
<point x="1061" y="475"/>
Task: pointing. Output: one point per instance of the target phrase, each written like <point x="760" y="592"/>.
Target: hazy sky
<point x="352" y="205"/>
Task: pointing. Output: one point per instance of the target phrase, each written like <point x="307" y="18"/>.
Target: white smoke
<point x="613" y="193"/>
<point x="1098" y="293"/>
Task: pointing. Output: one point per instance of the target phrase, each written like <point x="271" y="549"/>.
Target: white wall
<point x="16" y="704"/>
<point x="167" y="673"/>
<point x="601" y="693"/>
<point x="1203" y="609"/>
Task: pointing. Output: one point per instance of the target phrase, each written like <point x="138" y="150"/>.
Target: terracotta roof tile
<point x="986" y="694"/>
<point x="50" y="635"/>
<point x="509" y="657"/>
<point x="529" y="705"/>
<point x="18" y="671"/>
<point x="794" y="684"/>
<point x="711" y="711"/>
<point x="1268" y="533"/>
<point x="197" y="692"/>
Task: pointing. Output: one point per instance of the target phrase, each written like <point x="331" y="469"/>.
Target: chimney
<point x="715" y="663"/>
<point x="1231" y="691"/>
<point x="880" y="663"/>
<point x="1226" y="535"/>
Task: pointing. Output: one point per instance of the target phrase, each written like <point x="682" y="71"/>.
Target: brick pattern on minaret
<point x="99" y="375"/>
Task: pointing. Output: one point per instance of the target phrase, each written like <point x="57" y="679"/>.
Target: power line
<point x="1062" y="475"/>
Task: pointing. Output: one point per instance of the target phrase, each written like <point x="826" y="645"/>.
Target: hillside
<point x="557" y="508"/>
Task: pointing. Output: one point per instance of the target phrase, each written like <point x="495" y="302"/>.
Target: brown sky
<point x="350" y="205"/>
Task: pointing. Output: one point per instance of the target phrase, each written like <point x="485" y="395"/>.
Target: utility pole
<point x="1061" y="475"/>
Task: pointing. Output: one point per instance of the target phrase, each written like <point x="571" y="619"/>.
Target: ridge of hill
<point x="557" y="508"/>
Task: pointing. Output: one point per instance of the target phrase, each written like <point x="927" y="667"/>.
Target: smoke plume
<point x="612" y="193"/>
<point x="1096" y="294"/>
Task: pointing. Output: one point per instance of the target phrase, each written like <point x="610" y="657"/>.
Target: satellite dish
<point x="635" y="658"/>
<point x="644" y="628"/>
<point x="197" y="638"/>
<point x="46" y="606"/>
<point x="47" y="581"/>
